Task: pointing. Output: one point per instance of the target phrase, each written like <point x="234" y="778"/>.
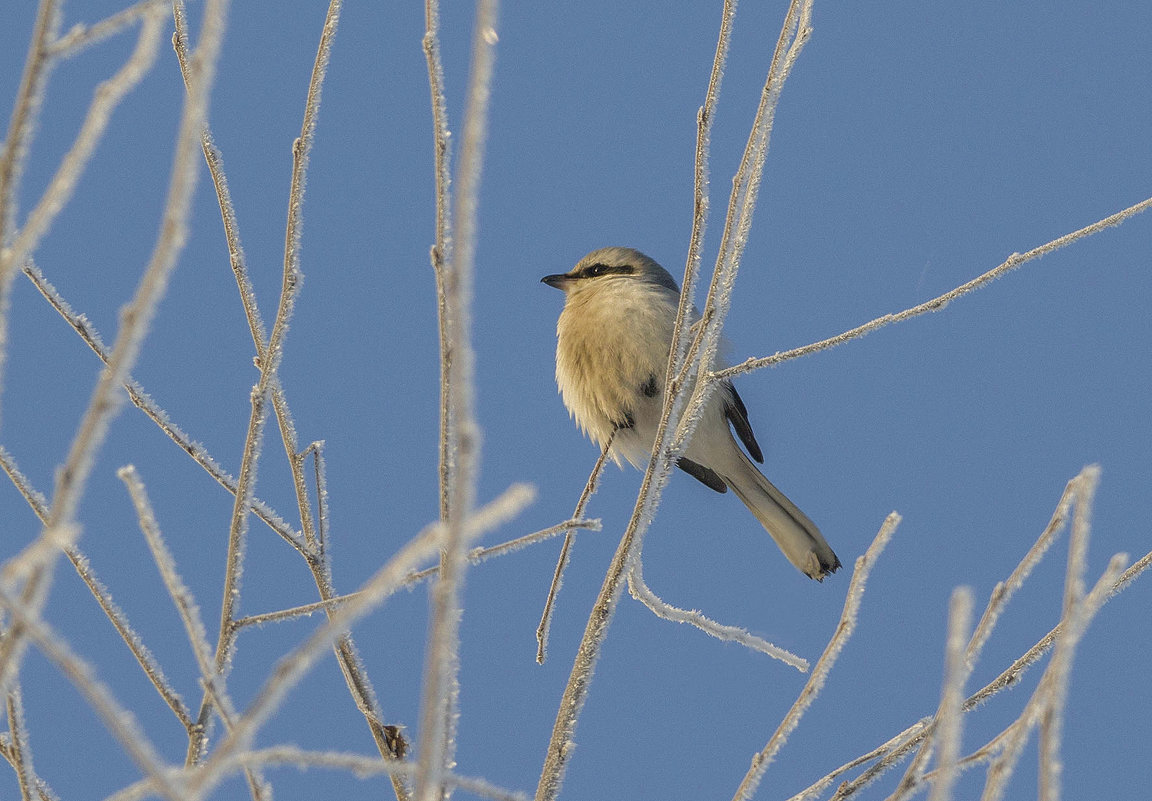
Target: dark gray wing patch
<point x="737" y="414"/>
<point x="627" y="422"/>
<point x="704" y="475"/>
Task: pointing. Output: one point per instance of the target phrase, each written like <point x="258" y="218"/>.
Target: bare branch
<point x="80" y="36"/>
<point x="815" y="682"/>
<point x="565" y="551"/>
<point x="642" y="593"/>
<point x="82" y="326"/>
<point x="439" y="691"/>
<point x="937" y="303"/>
<point x="674" y="429"/>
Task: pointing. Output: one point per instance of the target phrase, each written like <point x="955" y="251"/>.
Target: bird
<point x="612" y="343"/>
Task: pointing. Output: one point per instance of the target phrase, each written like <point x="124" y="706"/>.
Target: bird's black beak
<point x="560" y="280"/>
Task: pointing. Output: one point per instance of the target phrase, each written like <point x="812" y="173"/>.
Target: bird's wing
<point x="737" y="414"/>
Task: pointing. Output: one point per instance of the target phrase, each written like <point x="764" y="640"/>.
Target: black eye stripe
<point x="596" y="270"/>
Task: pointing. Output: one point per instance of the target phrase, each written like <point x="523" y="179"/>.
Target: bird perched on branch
<point x="613" y="339"/>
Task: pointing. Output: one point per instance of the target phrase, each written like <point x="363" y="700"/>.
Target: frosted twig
<point x="478" y="555"/>
<point x="43" y="791"/>
<point x="103" y="597"/>
<point x="21" y="128"/>
<point x="144" y="403"/>
<point x="815" y="682"/>
<point x="15" y="246"/>
<point x="1049" y="691"/>
<point x="948" y="727"/>
<point x="1046" y="704"/>
<point x="1052" y="722"/>
<point x="642" y="593"/>
<point x="702" y="352"/>
<point x="937" y="303"/>
<point x="565" y="550"/>
<point x="900" y="745"/>
<point x="1004" y="591"/>
<point x="119" y="720"/>
<point x="950" y="715"/>
<point x="1041" y="695"/>
<point x="440" y="686"/>
<point x="388" y="739"/>
<point x="673" y="430"/>
<point x="135" y="320"/>
<point x="320" y="475"/>
<point x="365" y="766"/>
<point x="441" y="251"/>
<point x="80" y="36"/>
<point x="383" y="583"/>
<point x="269" y="364"/>
<point x="362" y="766"/>
<point x="182" y="597"/>
<point x="214" y="160"/>
<point x="304" y="610"/>
<point x="475" y="556"/>
<point x="700" y="200"/>
<point x="897" y="747"/>
<point x="19" y="754"/>
<point x="106" y="98"/>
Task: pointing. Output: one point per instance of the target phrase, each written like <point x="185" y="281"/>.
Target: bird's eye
<point x="597" y="269"/>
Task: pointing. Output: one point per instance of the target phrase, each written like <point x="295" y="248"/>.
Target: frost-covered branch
<point x="565" y="553"/>
<point x="135" y="321"/>
<point x="439" y="692"/>
<point x="642" y="593"/>
<point x="938" y="303"/>
<point x="675" y="426"/>
<point x="824" y="664"/>
<point x="141" y="400"/>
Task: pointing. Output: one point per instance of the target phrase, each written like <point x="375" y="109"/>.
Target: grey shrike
<point x="611" y="358"/>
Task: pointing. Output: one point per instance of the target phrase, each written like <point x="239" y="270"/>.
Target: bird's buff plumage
<point x="611" y="357"/>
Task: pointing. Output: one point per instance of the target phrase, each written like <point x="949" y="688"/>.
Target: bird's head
<point x="601" y="267"/>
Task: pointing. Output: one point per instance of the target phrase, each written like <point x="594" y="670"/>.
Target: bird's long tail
<point x="794" y="533"/>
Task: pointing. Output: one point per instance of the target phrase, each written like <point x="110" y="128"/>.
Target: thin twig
<point x="705" y="347"/>
<point x="475" y="556"/>
<point x="890" y="752"/>
<point x="139" y="398"/>
<point x="117" y="718"/>
<point x="115" y="614"/>
<point x="441" y="252"/>
<point x="440" y="687"/>
<point x="950" y="715"/>
<point x="19" y="755"/>
<point x="937" y="303"/>
<point x="182" y="598"/>
<point x="105" y="99"/>
<point x="662" y="609"/>
<point x="269" y="366"/>
<point x="292" y="668"/>
<point x="362" y="766"/>
<point x="990" y="750"/>
<point x="80" y="36"/>
<point x="21" y="128"/>
<point x="135" y="319"/>
<point x="700" y="199"/>
<point x="815" y="682"/>
<point x="671" y="432"/>
<point x="389" y="739"/>
<point x="565" y="550"/>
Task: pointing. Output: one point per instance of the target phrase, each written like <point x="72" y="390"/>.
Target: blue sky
<point x="916" y="146"/>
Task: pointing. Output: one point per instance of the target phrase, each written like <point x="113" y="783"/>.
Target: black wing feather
<point x="737" y="414"/>
<point x="704" y="475"/>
